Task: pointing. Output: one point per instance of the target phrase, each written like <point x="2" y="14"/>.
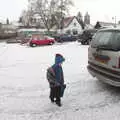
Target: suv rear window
<point x="107" y="40"/>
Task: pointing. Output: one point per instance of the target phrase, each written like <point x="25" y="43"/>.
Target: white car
<point x="104" y="56"/>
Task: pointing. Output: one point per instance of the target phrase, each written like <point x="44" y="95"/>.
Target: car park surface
<point x="24" y="90"/>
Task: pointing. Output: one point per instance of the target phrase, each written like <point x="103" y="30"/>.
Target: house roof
<point x="89" y="26"/>
<point x="106" y="24"/>
<point x="67" y="21"/>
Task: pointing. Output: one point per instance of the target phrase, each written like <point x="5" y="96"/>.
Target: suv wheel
<point x="83" y="43"/>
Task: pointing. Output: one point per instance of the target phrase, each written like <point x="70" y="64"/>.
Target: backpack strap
<point x="52" y="70"/>
<point x="50" y="75"/>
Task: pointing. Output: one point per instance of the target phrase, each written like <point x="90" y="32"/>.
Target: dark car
<point x="86" y="36"/>
<point x="65" y="38"/>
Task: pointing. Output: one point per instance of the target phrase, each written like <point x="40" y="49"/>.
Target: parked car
<point x="5" y="35"/>
<point x="13" y="41"/>
<point x="65" y="38"/>
<point x="24" y="39"/>
<point x="86" y="36"/>
<point x="104" y="56"/>
<point x="41" y="40"/>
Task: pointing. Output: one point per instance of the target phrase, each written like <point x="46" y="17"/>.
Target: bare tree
<point x="61" y="10"/>
<point x="26" y="17"/>
<point x="51" y="11"/>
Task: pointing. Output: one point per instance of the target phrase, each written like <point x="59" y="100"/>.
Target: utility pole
<point x="115" y="21"/>
<point x="114" y="18"/>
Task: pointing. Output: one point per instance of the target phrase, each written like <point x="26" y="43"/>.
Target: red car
<point x="41" y="40"/>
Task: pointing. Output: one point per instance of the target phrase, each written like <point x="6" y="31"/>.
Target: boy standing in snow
<point x="55" y="89"/>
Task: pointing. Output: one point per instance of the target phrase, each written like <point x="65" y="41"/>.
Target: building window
<point x="75" y="24"/>
<point x="75" y="32"/>
<point x="68" y="31"/>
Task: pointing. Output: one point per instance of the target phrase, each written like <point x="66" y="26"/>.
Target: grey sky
<point x="102" y="10"/>
<point x="11" y="8"/>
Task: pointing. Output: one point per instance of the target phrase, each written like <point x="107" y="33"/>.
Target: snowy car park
<point x="24" y="90"/>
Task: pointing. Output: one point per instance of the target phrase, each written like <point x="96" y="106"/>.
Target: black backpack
<point x="50" y="75"/>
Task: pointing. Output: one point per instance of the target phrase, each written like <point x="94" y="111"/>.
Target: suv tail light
<point x="119" y="62"/>
<point x="117" y="66"/>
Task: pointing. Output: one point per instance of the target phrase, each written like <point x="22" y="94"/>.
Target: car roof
<point x="90" y="30"/>
<point x="109" y="29"/>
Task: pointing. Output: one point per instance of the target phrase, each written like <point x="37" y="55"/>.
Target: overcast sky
<point x="12" y="8"/>
<point x="102" y="10"/>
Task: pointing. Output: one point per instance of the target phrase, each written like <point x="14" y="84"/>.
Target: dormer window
<point x="74" y="24"/>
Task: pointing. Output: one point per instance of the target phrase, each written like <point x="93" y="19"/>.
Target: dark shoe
<point x="59" y="104"/>
<point x="52" y="100"/>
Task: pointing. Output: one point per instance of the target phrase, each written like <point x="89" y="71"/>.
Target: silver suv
<point x="104" y="56"/>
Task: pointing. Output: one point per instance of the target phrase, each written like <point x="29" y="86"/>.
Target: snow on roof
<point x="67" y="21"/>
<point x="89" y="26"/>
<point x="32" y="29"/>
<point x="106" y="23"/>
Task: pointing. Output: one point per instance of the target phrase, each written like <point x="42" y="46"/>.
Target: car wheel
<point x="33" y="45"/>
<point x="86" y="43"/>
<point x="51" y="43"/>
<point x="83" y="43"/>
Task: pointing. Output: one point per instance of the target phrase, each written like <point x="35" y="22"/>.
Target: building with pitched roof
<point x="71" y="25"/>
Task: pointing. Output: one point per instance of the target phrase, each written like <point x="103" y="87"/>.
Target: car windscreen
<point x="107" y="40"/>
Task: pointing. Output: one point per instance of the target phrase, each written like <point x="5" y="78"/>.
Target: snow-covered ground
<point x="24" y="90"/>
